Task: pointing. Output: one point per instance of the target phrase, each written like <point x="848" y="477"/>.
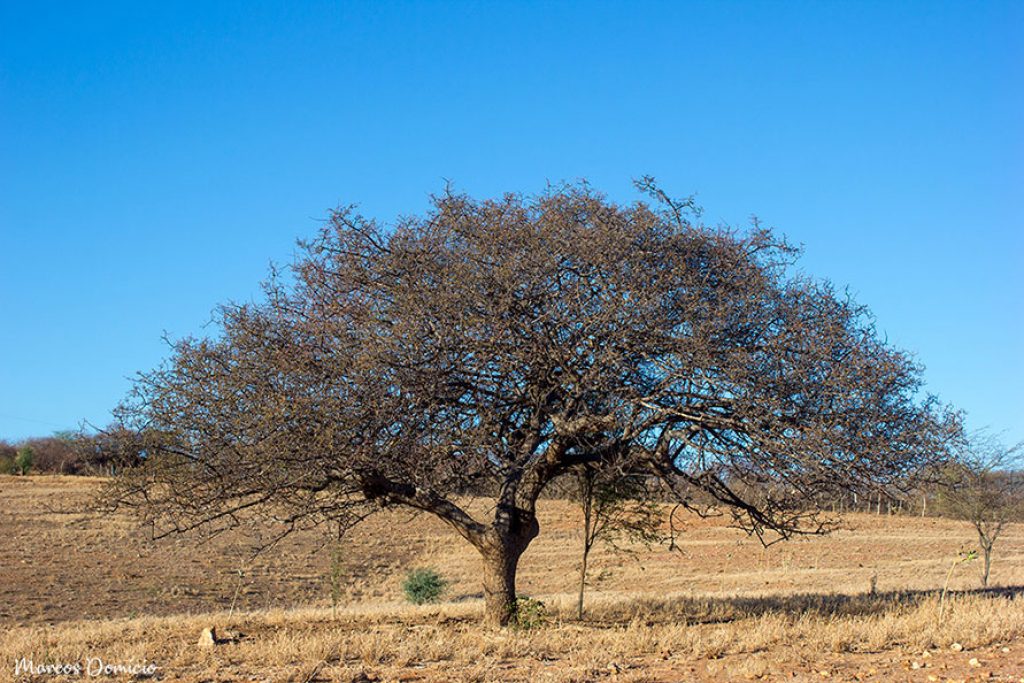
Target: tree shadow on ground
<point x="717" y="610"/>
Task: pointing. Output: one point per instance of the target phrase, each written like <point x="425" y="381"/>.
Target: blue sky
<point x="154" y="158"/>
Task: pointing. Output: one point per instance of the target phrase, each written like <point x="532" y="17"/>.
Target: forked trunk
<point x="501" y="550"/>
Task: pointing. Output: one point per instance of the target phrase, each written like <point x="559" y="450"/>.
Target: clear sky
<point x="155" y="157"/>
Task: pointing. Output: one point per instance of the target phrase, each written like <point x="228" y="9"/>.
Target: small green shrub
<point x="23" y="461"/>
<point x="530" y="614"/>
<point x="7" y="465"/>
<point x="423" y="585"/>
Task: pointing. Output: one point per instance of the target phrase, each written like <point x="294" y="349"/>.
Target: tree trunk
<point x="500" y="566"/>
<point x="583" y="584"/>
<point x="587" y="500"/>
<point x="987" y="552"/>
<point x="500" y="548"/>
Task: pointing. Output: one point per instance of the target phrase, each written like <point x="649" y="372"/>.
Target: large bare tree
<point x="488" y="347"/>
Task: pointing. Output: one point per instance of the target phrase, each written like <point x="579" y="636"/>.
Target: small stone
<point x="1005" y="650"/>
<point x="974" y="662"/>
<point x="932" y="677"/>
<point x="956" y="647"/>
<point x="208" y="638"/>
<point x="915" y="665"/>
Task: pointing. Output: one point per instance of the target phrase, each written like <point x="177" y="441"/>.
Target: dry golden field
<point x="90" y="591"/>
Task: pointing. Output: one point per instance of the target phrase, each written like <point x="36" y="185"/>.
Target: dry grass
<point x="769" y="636"/>
<point x="722" y="609"/>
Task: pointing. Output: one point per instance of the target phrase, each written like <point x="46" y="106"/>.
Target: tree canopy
<point x="490" y="346"/>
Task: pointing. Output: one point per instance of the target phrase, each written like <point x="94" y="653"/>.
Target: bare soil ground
<point x="78" y="589"/>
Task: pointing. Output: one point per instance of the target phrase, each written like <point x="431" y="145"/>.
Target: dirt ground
<point x="718" y="608"/>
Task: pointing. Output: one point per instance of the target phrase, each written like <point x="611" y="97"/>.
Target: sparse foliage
<point x="493" y="346"/>
<point x="983" y="488"/>
<point x="962" y="557"/>
<point x="615" y="506"/>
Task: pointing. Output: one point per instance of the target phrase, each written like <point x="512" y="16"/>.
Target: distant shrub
<point x="530" y="614"/>
<point x="23" y="461"/>
<point x="103" y="453"/>
<point x="52" y="454"/>
<point x="423" y="585"/>
<point x="7" y="455"/>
